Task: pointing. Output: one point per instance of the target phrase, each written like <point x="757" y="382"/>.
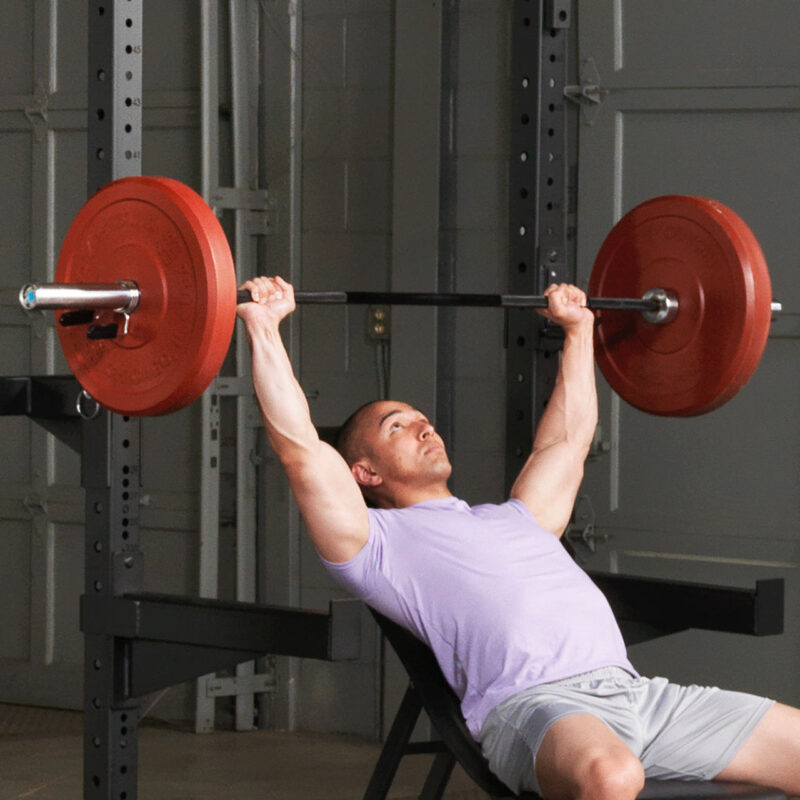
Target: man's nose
<point x="427" y="430"/>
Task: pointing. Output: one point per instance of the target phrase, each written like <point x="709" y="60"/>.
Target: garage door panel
<point x="692" y="42"/>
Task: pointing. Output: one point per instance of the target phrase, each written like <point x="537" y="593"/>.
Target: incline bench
<point x="428" y="689"/>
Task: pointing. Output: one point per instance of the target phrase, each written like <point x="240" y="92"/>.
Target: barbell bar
<point x="656" y="304"/>
<point x="125" y="296"/>
<point x="149" y="252"/>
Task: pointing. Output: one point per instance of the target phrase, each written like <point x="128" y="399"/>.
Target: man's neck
<point x="406" y="496"/>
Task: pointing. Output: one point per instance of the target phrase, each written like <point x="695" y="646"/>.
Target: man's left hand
<point x="567" y="306"/>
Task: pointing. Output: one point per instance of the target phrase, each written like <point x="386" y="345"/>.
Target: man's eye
<point x="395" y="426"/>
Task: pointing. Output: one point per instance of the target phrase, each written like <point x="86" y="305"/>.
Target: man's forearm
<point x="287" y="418"/>
<point x="571" y="412"/>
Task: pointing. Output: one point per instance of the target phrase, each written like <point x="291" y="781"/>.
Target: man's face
<point x="401" y="444"/>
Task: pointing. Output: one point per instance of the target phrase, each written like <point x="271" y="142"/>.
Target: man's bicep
<point x="548" y="485"/>
<point x="330" y="503"/>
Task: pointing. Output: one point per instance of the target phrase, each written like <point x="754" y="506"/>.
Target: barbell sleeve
<point x="123" y="296"/>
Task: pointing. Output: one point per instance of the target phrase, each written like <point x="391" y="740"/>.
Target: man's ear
<point x="364" y="474"/>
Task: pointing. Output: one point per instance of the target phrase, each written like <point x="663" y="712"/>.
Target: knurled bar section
<point x="537" y="215"/>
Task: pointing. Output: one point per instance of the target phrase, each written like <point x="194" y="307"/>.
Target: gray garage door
<point x="701" y="98"/>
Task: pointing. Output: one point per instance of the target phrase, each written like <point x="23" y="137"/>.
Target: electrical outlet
<point x="379" y="322"/>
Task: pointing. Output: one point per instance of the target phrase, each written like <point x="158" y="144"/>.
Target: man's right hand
<point x="273" y="299"/>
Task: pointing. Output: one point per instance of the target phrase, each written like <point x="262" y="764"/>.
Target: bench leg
<point x="438" y="776"/>
<point x="394" y="746"/>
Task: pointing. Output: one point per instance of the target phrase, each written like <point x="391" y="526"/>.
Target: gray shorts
<point x="678" y="732"/>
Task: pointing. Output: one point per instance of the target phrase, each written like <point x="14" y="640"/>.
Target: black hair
<point x="345" y="437"/>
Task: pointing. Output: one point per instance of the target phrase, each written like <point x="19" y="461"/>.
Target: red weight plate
<point x="162" y="235"/>
<point x="706" y="255"/>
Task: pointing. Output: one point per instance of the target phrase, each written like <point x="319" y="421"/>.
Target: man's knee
<point x="612" y="776"/>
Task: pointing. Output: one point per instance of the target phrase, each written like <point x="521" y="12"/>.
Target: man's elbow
<point x="296" y="454"/>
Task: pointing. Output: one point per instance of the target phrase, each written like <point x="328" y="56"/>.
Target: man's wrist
<point x="580" y="330"/>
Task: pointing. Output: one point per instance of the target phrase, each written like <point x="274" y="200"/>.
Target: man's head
<point x="394" y="453"/>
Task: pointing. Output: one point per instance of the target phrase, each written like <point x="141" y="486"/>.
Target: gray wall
<point x="382" y="194"/>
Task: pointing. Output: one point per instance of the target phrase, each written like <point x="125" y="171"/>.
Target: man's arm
<point x="326" y="492"/>
<point x="552" y="475"/>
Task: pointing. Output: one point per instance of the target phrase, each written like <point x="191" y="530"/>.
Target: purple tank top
<point x="494" y="595"/>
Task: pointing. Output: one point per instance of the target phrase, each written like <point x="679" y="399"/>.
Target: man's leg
<point x="771" y="755"/>
<point x="581" y="758"/>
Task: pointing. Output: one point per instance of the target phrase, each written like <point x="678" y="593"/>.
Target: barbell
<point x="146" y="287"/>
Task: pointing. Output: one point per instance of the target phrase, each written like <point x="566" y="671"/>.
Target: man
<point x="523" y="636"/>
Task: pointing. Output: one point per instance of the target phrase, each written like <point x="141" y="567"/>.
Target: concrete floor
<point x="41" y="759"/>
